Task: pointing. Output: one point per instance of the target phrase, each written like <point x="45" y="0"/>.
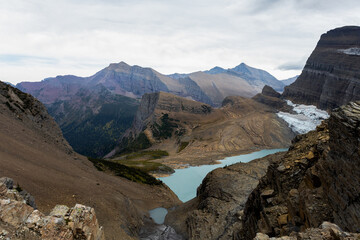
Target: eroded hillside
<point x="185" y="128"/>
<point x="34" y="153"/>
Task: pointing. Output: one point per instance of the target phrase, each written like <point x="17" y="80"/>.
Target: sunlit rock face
<point x="331" y="76"/>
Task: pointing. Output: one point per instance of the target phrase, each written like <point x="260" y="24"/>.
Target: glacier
<point x="306" y="119"/>
<point x="351" y="51"/>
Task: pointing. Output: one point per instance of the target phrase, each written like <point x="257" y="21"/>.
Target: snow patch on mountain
<point x="351" y="51"/>
<point x="306" y="119"/>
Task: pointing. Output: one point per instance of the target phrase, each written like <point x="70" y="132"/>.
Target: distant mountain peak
<point x="120" y="65"/>
<point x="216" y="70"/>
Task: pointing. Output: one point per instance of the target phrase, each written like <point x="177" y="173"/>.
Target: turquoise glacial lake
<point x="184" y="182"/>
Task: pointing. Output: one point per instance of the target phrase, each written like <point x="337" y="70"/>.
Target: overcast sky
<point x="46" y="38"/>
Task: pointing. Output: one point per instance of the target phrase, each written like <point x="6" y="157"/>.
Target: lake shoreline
<point x="184" y="182"/>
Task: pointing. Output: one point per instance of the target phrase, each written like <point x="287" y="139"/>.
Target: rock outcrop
<point x="186" y="128"/>
<point x="217" y="210"/>
<point x="331" y="76"/>
<point x="326" y="230"/>
<point x="272" y="98"/>
<point x="18" y="220"/>
<point x="317" y="180"/>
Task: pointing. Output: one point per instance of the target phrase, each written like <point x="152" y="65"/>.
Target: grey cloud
<point x="291" y="66"/>
<point x="171" y="36"/>
<point x="22" y="59"/>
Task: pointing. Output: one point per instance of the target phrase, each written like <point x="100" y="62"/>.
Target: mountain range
<point x="81" y="105"/>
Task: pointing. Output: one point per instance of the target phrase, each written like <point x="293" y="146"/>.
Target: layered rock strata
<point x="331" y="76"/>
<point x="317" y="180"/>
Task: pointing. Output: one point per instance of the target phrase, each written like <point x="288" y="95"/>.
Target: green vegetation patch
<point x="142" y="160"/>
<point x="147" y="166"/>
<point x="130" y="173"/>
<point x="151" y="154"/>
<point x="141" y="142"/>
<point x="165" y="129"/>
<point x="183" y="145"/>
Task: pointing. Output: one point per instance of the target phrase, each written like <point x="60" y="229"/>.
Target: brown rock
<point x="217" y="210"/>
<point x="283" y="219"/>
<point x="323" y="189"/>
<point x="22" y="221"/>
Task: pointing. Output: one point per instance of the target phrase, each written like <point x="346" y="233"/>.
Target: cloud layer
<point x="47" y="38"/>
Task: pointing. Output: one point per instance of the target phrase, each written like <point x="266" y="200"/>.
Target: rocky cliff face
<point x="331" y="76"/>
<point x="317" y="180"/>
<point x="186" y="128"/>
<point x="18" y="220"/>
<point x="216" y="211"/>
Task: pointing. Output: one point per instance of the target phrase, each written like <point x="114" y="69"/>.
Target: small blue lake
<point x="158" y="215"/>
<point x="184" y="182"/>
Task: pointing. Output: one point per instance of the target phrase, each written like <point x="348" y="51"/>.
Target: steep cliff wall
<point x="331" y="76"/>
<point x="317" y="180"/>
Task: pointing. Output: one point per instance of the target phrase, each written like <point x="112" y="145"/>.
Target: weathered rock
<point x="217" y="210"/>
<point x="325" y="231"/>
<point x="273" y="99"/>
<point x="331" y="76"/>
<point x="19" y="220"/>
<point x="317" y="180"/>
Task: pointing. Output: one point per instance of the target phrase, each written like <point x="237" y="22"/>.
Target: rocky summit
<point x="331" y="76"/>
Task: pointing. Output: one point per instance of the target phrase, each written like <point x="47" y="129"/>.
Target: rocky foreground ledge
<point x="20" y="220"/>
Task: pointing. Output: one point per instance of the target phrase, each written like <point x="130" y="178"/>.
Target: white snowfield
<point x="306" y="119"/>
<point x="351" y="51"/>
